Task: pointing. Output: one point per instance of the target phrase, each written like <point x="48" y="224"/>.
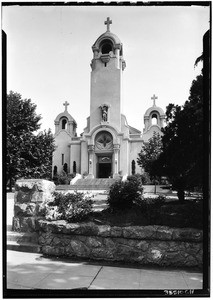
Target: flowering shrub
<point x="72" y="207"/>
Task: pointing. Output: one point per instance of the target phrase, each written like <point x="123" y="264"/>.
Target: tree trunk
<point x="181" y="195"/>
<point x="10" y="185"/>
<point x="155" y="186"/>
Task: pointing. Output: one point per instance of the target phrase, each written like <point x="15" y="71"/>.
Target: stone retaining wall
<point x="155" y="245"/>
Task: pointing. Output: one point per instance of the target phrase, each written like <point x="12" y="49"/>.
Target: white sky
<point x="49" y="54"/>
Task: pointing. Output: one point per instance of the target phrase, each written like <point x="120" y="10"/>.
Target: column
<point x="91" y="160"/>
<point x="116" y="149"/>
<point x="117" y="54"/>
<point x="56" y="126"/>
<point x="84" y="157"/>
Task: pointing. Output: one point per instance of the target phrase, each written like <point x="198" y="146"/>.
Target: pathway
<point x="33" y="271"/>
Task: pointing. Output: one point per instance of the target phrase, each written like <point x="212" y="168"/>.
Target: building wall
<point x="84" y="157"/>
<point x="149" y="133"/>
<point x="62" y="141"/>
<point x="124" y="157"/>
<point x="75" y="155"/>
<point x="135" y="148"/>
<point x="105" y="89"/>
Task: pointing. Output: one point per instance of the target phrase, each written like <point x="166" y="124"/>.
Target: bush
<point x="70" y="207"/>
<point x="145" y="178"/>
<point x="151" y="207"/>
<point x="122" y="195"/>
<point x="63" y="178"/>
<point x="151" y="202"/>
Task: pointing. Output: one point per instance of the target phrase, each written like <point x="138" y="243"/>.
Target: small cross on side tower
<point x="108" y="22"/>
<point x="154" y="98"/>
<point x="66" y="104"/>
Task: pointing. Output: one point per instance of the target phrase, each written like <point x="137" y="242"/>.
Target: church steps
<point x="23" y="247"/>
<point x="23" y="241"/>
<point x="88" y="184"/>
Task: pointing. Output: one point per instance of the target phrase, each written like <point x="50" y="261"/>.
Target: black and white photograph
<point x="106" y="149"/>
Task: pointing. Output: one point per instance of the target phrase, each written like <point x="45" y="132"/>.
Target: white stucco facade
<point x="108" y="145"/>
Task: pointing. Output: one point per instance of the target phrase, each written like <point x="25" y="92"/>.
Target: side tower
<point x="106" y="80"/>
<point x="154" y="120"/>
<point x="65" y="130"/>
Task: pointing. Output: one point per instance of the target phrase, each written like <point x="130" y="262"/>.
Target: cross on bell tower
<point x="108" y="22"/>
<point x="154" y="98"/>
<point x="66" y="104"/>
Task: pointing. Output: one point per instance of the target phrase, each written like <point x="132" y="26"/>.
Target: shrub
<point x="151" y="207"/>
<point x="63" y="178"/>
<point x="145" y="178"/>
<point x="70" y="207"/>
<point x="122" y="195"/>
<point x="85" y="174"/>
<point x="151" y="202"/>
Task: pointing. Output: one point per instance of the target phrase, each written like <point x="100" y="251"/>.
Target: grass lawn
<point x="171" y="213"/>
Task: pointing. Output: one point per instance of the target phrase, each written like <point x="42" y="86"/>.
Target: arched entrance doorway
<point x="104" y="166"/>
<point x="104" y="154"/>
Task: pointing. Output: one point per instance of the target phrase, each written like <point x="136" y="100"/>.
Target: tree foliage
<point x="28" y="154"/>
<point x="182" y="156"/>
<point x="149" y="154"/>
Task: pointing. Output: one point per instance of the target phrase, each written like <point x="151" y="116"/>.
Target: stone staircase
<point x="99" y="202"/>
<point x="23" y="241"/>
<point x="89" y="184"/>
<point x="99" y="188"/>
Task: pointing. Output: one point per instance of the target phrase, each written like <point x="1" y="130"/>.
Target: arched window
<point x="64" y="124"/>
<point x="74" y="167"/>
<point x="65" y="168"/>
<point x="154" y="119"/>
<point x="55" y="170"/>
<point x="133" y="167"/>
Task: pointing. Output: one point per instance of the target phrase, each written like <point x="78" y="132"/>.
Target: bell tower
<point x="106" y="80"/>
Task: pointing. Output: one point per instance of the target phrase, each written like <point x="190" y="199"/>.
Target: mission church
<point x="109" y="146"/>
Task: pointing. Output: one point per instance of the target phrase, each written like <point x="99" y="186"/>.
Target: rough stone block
<point x="142" y="232"/>
<point x="142" y="245"/>
<point x="155" y="255"/>
<point x="34" y="190"/>
<point x="25" y="224"/>
<point x="23" y="196"/>
<point x="79" y="248"/>
<point x="19" y="209"/>
<point x="164" y="233"/>
<point x="186" y="234"/>
<point x="93" y="242"/>
<point x="25" y="210"/>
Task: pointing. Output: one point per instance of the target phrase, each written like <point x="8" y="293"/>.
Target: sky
<point x="49" y="55"/>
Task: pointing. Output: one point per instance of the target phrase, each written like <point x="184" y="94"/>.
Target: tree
<point x="149" y="154"/>
<point x="28" y="154"/>
<point x="182" y="156"/>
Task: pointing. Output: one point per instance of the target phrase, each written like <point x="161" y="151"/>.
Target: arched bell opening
<point x="106" y="46"/>
<point x="154" y="119"/>
<point x="64" y="123"/>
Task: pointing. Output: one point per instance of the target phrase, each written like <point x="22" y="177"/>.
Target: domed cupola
<point x="65" y="122"/>
<point x="154" y="120"/>
<point x="108" y="49"/>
